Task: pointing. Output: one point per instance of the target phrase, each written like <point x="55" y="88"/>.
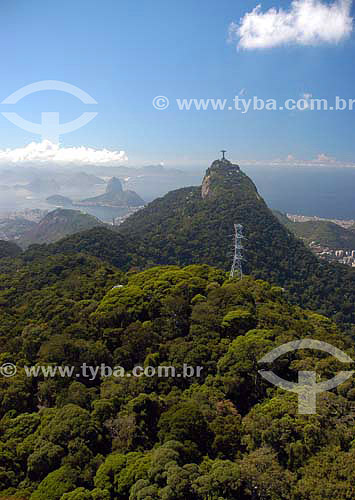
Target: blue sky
<point x="124" y="53"/>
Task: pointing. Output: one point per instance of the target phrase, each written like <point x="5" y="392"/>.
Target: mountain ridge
<point x="184" y="228"/>
<point x="56" y="225"/>
<point x="325" y="233"/>
<point x="195" y="225"/>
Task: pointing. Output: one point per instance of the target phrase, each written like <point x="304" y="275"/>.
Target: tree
<point x="56" y="484"/>
<point x="328" y="475"/>
<point x="263" y="477"/>
<point x="219" y="479"/>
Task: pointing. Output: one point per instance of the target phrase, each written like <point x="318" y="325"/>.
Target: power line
<point x="238" y="252"/>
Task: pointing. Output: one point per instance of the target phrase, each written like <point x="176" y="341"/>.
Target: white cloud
<point x="307" y="22"/>
<point x="324" y="158"/>
<point x="46" y="152"/>
<point x="321" y="160"/>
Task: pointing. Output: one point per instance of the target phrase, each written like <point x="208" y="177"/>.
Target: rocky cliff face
<point x="206" y="186"/>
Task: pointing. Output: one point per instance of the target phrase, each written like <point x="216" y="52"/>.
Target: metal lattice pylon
<point x="238" y="251"/>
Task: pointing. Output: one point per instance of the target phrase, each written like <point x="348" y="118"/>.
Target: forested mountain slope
<point x="325" y="233"/>
<point x="9" y="249"/>
<point x="58" y="224"/>
<point x="195" y="225"/>
<point x="226" y="434"/>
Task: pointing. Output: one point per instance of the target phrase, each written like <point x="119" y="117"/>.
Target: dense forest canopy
<point x="227" y="434"/>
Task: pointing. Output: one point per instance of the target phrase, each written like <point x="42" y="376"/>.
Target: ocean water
<point x="321" y="191"/>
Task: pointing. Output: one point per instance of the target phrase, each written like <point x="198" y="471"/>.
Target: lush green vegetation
<point x="9" y="249"/>
<point x="99" y="298"/>
<point x="100" y="242"/>
<point x="325" y="233"/>
<point x="225" y="435"/>
<point x="183" y="228"/>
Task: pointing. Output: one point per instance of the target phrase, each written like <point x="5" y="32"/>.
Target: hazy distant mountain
<point x="114" y="186"/>
<point x="81" y="179"/>
<point x="123" y="171"/>
<point x="115" y="196"/>
<point x="43" y="185"/>
<point x="148" y="182"/>
<point x="57" y="225"/>
<point x="13" y="229"/>
<point x="59" y="200"/>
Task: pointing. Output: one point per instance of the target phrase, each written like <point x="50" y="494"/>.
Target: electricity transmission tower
<point x="238" y="251"/>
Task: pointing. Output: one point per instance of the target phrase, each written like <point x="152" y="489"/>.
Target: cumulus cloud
<point x="307" y="22"/>
<point x="46" y="152"/>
